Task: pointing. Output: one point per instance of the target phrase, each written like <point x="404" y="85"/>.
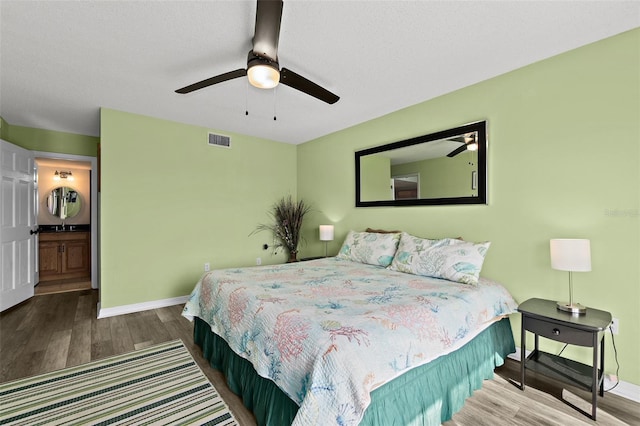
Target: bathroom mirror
<point x="63" y="202"/>
<point x="445" y="167"/>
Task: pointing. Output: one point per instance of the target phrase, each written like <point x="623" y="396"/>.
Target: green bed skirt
<point x="426" y="395"/>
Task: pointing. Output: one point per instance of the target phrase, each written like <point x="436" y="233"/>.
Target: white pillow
<point x="449" y="258"/>
<point x="369" y="247"/>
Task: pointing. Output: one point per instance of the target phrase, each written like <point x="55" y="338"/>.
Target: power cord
<point x="563" y="348"/>
<point x="615" y="352"/>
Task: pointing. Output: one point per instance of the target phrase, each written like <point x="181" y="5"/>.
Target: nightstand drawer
<point x="558" y="332"/>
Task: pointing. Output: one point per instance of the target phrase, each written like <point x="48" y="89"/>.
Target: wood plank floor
<point x="60" y="286"/>
<point x="55" y="331"/>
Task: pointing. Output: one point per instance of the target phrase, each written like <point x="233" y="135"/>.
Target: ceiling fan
<point x="468" y="142"/>
<point x="263" y="69"/>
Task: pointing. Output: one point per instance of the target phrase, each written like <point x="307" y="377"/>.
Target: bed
<point x="345" y="341"/>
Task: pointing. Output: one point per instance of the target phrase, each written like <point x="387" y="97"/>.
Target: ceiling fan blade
<point x="298" y="82"/>
<point x="458" y="150"/>
<point x="267" y="31"/>
<point x="213" y="80"/>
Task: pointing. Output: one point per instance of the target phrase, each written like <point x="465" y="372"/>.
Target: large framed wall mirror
<point x="445" y="167"/>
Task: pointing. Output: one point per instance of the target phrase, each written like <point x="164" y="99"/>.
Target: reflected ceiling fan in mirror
<point x="468" y="141"/>
<point x="263" y="70"/>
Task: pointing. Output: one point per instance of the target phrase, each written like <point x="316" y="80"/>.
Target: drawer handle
<point x="556" y="332"/>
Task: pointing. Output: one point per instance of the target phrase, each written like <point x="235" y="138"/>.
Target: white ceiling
<point x="63" y="60"/>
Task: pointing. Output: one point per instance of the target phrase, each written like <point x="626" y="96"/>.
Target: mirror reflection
<point x="446" y="167"/>
<point x="63" y="202"/>
<point x="405" y="187"/>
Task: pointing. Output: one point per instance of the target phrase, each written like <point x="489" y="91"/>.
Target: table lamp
<point x="573" y="255"/>
<point x="326" y="235"/>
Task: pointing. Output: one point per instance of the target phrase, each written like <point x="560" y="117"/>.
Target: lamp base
<point x="574" y="308"/>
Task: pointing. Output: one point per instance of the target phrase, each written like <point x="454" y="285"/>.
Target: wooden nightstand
<point x="542" y="318"/>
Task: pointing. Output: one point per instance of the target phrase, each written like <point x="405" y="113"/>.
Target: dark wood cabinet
<point x="64" y="255"/>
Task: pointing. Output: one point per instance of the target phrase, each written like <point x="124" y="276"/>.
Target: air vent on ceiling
<point x="219" y="140"/>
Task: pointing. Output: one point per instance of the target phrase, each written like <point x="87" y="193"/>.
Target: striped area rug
<point x="160" y="385"/>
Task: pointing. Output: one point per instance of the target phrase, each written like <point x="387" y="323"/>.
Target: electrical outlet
<point x="207" y="267"/>
<point x="615" y="326"/>
<point x="258" y="261"/>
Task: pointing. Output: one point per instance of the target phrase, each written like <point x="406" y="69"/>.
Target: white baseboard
<point x="139" y="307"/>
<point x="624" y="389"/>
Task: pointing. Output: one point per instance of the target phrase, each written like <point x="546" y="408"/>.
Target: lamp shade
<point x="570" y="255"/>
<point x="326" y="232"/>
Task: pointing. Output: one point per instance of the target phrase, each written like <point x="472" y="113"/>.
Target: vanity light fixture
<point x="573" y="255"/>
<point x="62" y="175"/>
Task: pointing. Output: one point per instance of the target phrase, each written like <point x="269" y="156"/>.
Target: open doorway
<point x="66" y="207"/>
<point x="406" y="187"/>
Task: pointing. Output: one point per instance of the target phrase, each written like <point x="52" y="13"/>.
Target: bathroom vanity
<point x="65" y="254"/>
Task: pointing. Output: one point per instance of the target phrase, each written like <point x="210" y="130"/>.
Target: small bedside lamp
<point x="571" y="255"/>
<point x="326" y="235"/>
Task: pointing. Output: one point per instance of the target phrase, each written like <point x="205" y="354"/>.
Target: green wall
<point x="4" y="127"/>
<point x="443" y="177"/>
<point x="50" y="140"/>
<point x="563" y="161"/>
<point x="375" y="178"/>
<point x="170" y="203"/>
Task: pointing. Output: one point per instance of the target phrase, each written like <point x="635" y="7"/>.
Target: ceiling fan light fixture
<point x="263" y="75"/>
<point x="471" y="140"/>
<point x="263" y="70"/>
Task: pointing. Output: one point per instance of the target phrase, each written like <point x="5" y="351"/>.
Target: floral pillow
<point x="449" y="258"/>
<point x="369" y="247"/>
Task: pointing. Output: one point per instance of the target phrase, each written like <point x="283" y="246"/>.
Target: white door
<point x="18" y="241"/>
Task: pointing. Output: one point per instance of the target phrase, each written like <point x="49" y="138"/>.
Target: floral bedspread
<point x="330" y="331"/>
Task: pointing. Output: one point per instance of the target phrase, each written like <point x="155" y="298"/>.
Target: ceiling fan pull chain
<point x="274" y="102"/>
<point x="246" y="98"/>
